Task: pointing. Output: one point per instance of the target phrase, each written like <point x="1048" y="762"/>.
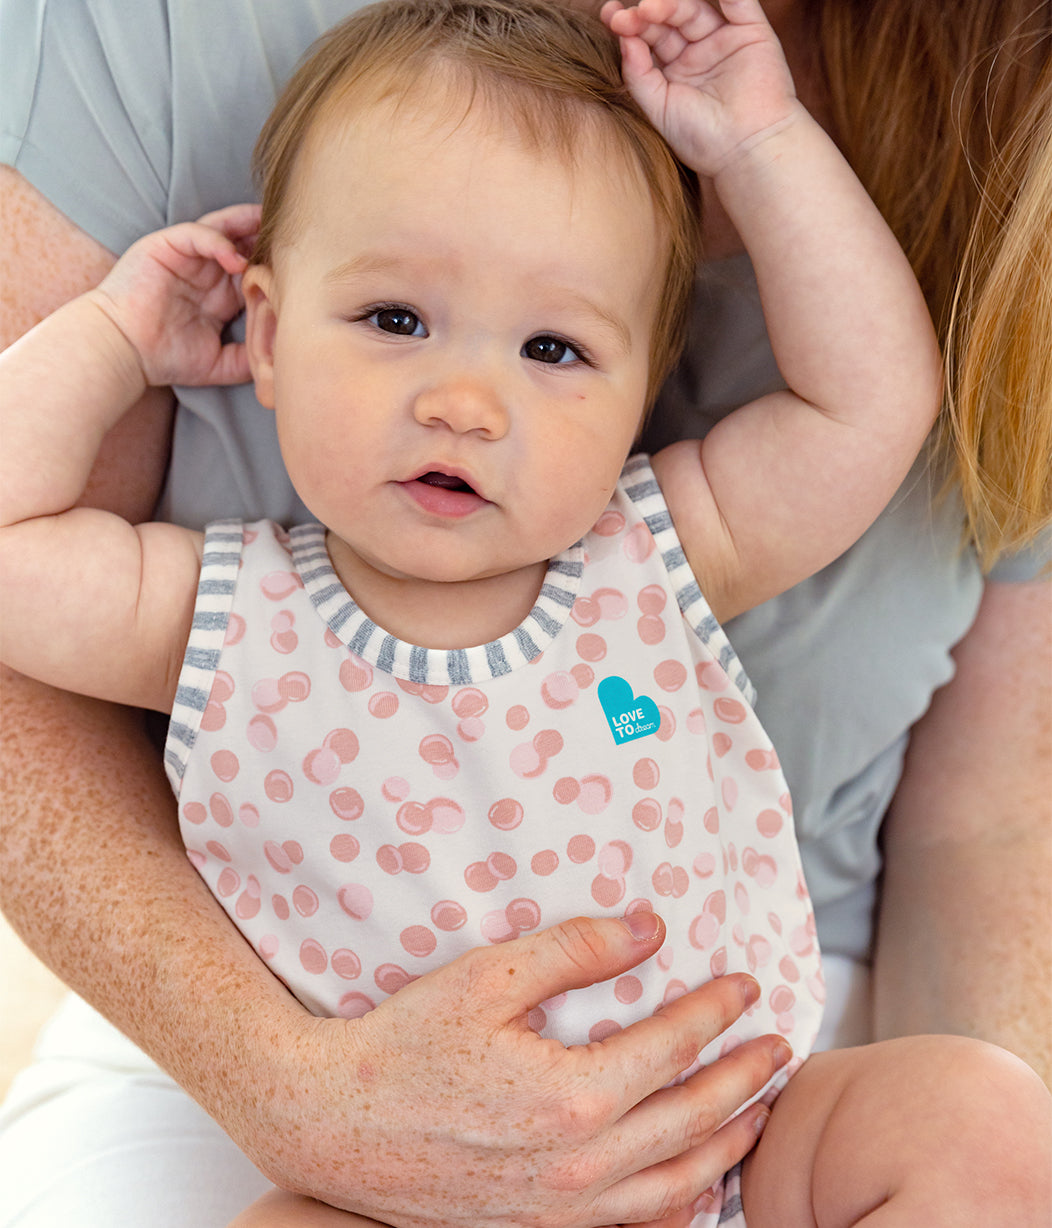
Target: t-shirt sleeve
<point x="85" y="110"/>
<point x="1033" y="563"/>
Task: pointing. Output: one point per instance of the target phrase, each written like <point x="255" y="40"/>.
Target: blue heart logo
<point x="629" y="715"/>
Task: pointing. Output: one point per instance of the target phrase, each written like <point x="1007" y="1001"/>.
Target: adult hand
<point x="442" y="1107"/>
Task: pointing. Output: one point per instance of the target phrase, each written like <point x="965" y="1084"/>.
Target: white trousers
<point x="94" y="1134"/>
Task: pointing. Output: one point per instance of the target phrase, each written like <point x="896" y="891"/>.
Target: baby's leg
<point x="279" y="1209"/>
<point x="932" y="1130"/>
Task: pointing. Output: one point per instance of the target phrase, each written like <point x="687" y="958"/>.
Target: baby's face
<point x="455" y="339"/>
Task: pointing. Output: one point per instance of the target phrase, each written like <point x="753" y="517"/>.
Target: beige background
<point x="28" y="995"/>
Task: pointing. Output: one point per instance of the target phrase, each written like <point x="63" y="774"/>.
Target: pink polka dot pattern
<point x="362" y="827"/>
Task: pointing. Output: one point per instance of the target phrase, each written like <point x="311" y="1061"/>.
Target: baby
<point x="489" y="687"/>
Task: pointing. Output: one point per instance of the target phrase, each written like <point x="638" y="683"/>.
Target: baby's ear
<point x="261" y="322"/>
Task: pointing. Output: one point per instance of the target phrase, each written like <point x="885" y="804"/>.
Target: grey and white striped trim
<point x="434" y="666"/>
<point x="215" y="596"/>
<point x="640" y="485"/>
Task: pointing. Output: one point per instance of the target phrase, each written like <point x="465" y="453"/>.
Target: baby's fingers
<point x="238" y="223"/>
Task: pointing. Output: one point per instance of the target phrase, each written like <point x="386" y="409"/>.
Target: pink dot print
<point x="194" y="812"/>
<point x="346" y="804"/>
<point x="596" y="793"/>
<point x="283" y="638"/>
<point x="235" y="630"/>
<point x="559" y="690"/>
<point x="580" y="849"/>
<point x="343" y="743"/>
<point x="221" y="810"/>
<point x="395" y="789"/>
<point x="646" y="774"/>
<point x="762" y="760"/>
<point x="769" y="823"/>
<point x="469" y="702"/>
<point x="711" y="676"/>
<point x="344" y="847"/>
<point x="262" y="733"/>
<point x="391" y="978"/>
<point x="429" y="693"/>
<point x="638" y="544"/>
<point x="448" y="916"/>
<point x="651" y="629"/>
<point x="305" y="901"/>
<point x="281" y="907"/>
<point x="228" y="882"/>
<point x="602" y="1030"/>
<point x="628" y="989"/>
<point x="248" y="814"/>
<point x="218" y="850"/>
<point x="566" y="790"/>
<point x="313" y="957"/>
<point x="609" y="524"/>
<point x="730" y="710"/>
<point x="646" y="815"/>
<point x="321" y="766"/>
<point x="721" y="743"/>
<point x="591" y="647"/>
<point x="354" y="1006"/>
<point x="294" y="686"/>
<point x="446" y="815"/>
<point x="760" y="866"/>
<point x="518" y="718"/>
<point x="545" y="862"/>
<point x="437" y="750"/>
<point x="355" y="674"/>
<point x="583" y="675"/>
<point x="383" y="705"/>
<point x="356" y="900"/>
<point x="346" y="964"/>
<point x="248" y="902"/>
<point x="614" y="858"/>
<point x="506" y="814"/>
<point x="670" y="675"/>
<point x="278" y="786"/>
<point x="418" y="940"/>
<point x="607" y="891"/>
<point x="279" y="585"/>
<point x="269" y="946"/>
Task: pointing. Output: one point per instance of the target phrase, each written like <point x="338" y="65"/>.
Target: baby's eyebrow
<point x="359" y="266"/>
<point x="621" y="334"/>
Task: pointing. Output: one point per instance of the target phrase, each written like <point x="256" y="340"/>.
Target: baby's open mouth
<point x="446" y="481"/>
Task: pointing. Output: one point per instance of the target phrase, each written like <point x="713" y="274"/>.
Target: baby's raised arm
<point x="87" y="602"/>
<point x="782" y="486"/>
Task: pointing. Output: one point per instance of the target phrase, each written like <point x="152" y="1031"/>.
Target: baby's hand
<point x="172" y="293"/>
<point x="711" y="77"/>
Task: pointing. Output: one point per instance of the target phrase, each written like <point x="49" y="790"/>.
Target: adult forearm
<point x="973" y="956"/>
<point x="95" y="879"/>
<point x="965" y="938"/>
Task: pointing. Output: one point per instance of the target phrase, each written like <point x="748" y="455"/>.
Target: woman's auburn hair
<point x="944" y="109"/>
<point x="552" y="73"/>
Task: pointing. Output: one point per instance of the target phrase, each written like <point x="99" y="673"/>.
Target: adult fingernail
<point x="643" y="926"/>
<point x="750" y="992"/>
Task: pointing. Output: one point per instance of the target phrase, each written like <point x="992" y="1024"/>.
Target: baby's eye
<point x="399" y="320"/>
<point x="552" y="350"/>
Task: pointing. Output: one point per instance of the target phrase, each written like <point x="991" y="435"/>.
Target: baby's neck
<point x="431" y="614"/>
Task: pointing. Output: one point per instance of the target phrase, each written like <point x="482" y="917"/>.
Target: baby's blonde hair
<point x="554" y="73"/>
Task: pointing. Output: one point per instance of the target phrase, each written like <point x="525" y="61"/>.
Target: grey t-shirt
<point x="131" y="116"/>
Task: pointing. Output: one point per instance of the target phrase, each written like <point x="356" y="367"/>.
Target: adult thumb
<point x="573" y="955"/>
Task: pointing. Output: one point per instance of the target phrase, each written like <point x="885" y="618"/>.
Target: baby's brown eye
<point x="549" y="350"/>
<point x="399" y="320"/>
